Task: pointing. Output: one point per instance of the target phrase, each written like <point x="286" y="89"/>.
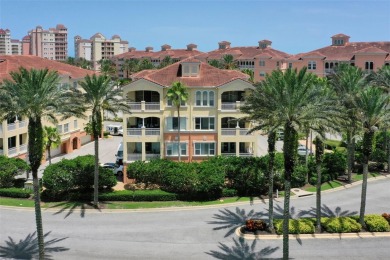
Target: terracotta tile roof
<point x="2" y="31"/>
<point x="173" y="53"/>
<point x="348" y="51"/>
<point x="209" y="76"/>
<point x="10" y="63"/>
<point x="241" y="53"/>
<point x="340" y="35"/>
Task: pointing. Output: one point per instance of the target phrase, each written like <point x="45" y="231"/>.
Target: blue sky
<point x="292" y="26"/>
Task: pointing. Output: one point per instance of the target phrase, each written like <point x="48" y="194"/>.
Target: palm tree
<point x="51" y="138"/>
<point x="291" y="99"/>
<point x="382" y="79"/>
<point x="107" y="68"/>
<point x="347" y="81"/>
<point x="130" y="66"/>
<point x="99" y="93"/>
<point x="319" y="157"/>
<point x="178" y="93"/>
<point x="228" y="62"/>
<point x="373" y="110"/>
<point x="250" y="73"/>
<point x="165" y="62"/>
<point x="215" y="63"/>
<point x="35" y="94"/>
<point x="145" y="64"/>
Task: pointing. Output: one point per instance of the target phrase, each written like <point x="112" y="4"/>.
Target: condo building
<point x="9" y="46"/>
<point x="13" y="131"/>
<point x="155" y="57"/>
<point x="50" y="44"/>
<point x="209" y="119"/>
<point x="99" y="48"/>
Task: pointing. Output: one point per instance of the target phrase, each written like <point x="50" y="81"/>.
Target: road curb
<point x="314" y="236"/>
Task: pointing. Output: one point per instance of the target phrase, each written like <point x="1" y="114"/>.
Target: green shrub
<point x="106" y="133"/>
<point x="9" y="168"/>
<point x="298" y="177"/>
<point x="340" y="225"/>
<point x="138" y="195"/>
<point x="295" y="226"/>
<point x="376" y="223"/>
<point x="229" y="192"/>
<point x="15" y="192"/>
<point x="334" y="164"/>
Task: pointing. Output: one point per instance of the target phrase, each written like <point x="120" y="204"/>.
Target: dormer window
<point x="190" y="69"/>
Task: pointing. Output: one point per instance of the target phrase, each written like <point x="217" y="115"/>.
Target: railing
<point x="152" y="105"/>
<point x="228" y="131"/>
<point x="246" y="154"/>
<point x="152" y="131"/>
<point x="23" y="148"/>
<point x="135" y="106"/>
<point x="22" y="124"/>
<point x="228" y="154"/>
<point x="134" y="131"/>
<point x="1" y="152"/>
<point x="228" y="106"/>
<point x="152" y="156"/>
<point x="244" y="131"/>
<point x="134" y="156"/>
<point x="1" y="128"/>
<point x="12" y="151"/>
<point x="11" y="127"/>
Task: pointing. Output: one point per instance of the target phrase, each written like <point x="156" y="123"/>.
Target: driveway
<point x="188" y="233"/>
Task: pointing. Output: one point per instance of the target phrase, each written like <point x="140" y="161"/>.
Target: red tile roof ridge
<point x="371" y="49"/>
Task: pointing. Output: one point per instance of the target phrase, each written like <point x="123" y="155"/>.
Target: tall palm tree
<point x="228" y="62"/>
<point x="107" y="68"/>
<point x="130" y="66"/>
<point x="178" y="93"/>
<point x="381" y="78"/>
<point x="292" y="100"/>
<point x="51" y="139"/>
<point x="100" y="92"/>
<point x="165" y="62"/>
<point x="145" y="64"/>
<point x="347" y="81"/>
<point x="250" y="73"/>
<point x="215" y="63"/>
<point x="35" y="94"/>
<point x="374" y="110"/>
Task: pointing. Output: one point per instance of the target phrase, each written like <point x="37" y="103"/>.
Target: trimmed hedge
<point x="295" y="226"/>
<point x="15" y="192"/>
<point x="340" y="225"/>
<point x="138" y="195"/>
<point x="229" y="192"/>
<point x="376" y="223"/>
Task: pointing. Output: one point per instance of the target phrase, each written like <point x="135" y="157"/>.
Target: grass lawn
<point x="325" y="186"/>
<point x="4" y="201"/>
<point x="359" y="177"/>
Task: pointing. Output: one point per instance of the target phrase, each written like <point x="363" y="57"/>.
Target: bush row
<point x="15" y="192"/>
<point x="138" y="195"/>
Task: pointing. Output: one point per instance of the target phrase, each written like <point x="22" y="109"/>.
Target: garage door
<point x="85" y="139"/>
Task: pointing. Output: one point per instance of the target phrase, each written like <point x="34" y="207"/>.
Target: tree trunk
<point x="350" y="156"/>
<point x="367" y="150"/>
<point x="35" y="148"/>
<point x="96" y="172"/>
<point x="271" y="162"/>
<point x="319" y="153"/>
<point x="289" y="151"/>
<point x="49" y="154"/>
<point x="387" y="150"/>
<point x="307" y="154"/>
<point x="178" y="132"/>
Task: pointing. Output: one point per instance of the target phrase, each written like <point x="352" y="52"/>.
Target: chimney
<point x="191" y="47"/>
<point x="224" y="45"/>
<point x="264" y="44"/>
<point x="149" y="49"/>
<point x="165" y="47"/>
<point x="131" y="49"/>
<point x="340" y="39"/>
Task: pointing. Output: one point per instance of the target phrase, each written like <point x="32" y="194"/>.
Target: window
<point x="277" y="64"/>
<point x="173" y="123"/>
<point x="172" y="149"/>
<point x="204" y="98"/>
<point x="262" y="74"/>
<point x="204" y="123"/>
<point x="59" y="129"/>
<point x="312" y="65"/>
<point x="290" y="65"/>
<point x="369" y="65"/>
<point x="204" y="149"/>
<point x="262" y="63"/>
<point x="66" y="127"/>
<point x="75" y="124"/>
<point x="169" y="103"/>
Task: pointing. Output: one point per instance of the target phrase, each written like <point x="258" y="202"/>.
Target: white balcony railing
<point x="134" y="156"/>
<point x="152" y="156"/>
<point x="12" y="151"/>
<point x="22" y="124"/>
<point x="244" y="131"/>
<point x="246" y="154"/>
<point x="228" y="131"/>
<point x="1" y="152"/>
<point x="228" y="106"/>
<point x="23" y="148"/>
<point x="135" y="106"/>
<point x="11" y="127"/>
<point x="228" y="154"/>
<point x="152" y="106"/>
<point x="152" y="131"/>
<point x="134" y="131"/>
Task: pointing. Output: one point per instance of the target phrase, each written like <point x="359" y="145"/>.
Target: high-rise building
<point x="99" y="48"/>
<point x="5" y="42"/>
<point x="50" y="44"/>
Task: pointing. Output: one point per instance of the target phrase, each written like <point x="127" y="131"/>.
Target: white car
<point x="116" y="169"/>
<point x="302" y="150"/>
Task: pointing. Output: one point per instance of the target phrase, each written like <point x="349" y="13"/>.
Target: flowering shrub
<point x="386" y="216"/>
<point x="255" y="225"/>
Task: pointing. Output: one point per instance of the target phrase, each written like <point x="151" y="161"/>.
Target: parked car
<point x="279" y="135"/>
<point x="302" y="150"/>
<point x="116" y="168"/>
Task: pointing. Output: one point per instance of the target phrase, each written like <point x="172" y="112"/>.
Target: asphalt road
<point x="188" y="233"/>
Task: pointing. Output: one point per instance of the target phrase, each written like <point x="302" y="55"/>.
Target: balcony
<point x="144" y="106"/>
<point x="231" y="106"/>
<point x="143" y="131"/>
<point x="16" y="125"/>
<point x="152" y="156"/>
<point x="1" y="152"/>
<point x="23" y="148"/>
<point x="134" y="157"/>
<point x="234" y="131"/>
<point x="12" y="151"/>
